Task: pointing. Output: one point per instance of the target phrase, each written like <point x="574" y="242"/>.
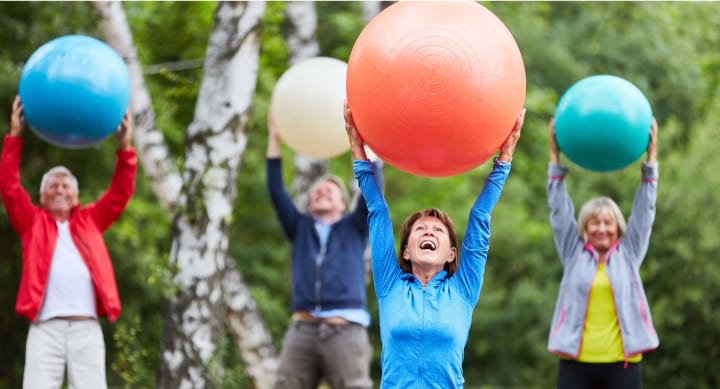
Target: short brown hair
<point x="406" y="266"/>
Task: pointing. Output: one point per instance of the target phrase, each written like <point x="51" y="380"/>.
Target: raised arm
<point x="382" y="240"/>
<point x="554" y="149"/>
<point x="562" y="210"/>
<point x="124" y="132"/>
<point x="16" y="199"/>
<point x="17" y="118"/>
<point x="285" y="209"/>
<point x="652" y="146"/>
<point x="642" y="216"/>
<point x="111" y="204"/>
<point x="357" y="144"/>
<point x="273" y="141"/>
<point x="475" y="245"/>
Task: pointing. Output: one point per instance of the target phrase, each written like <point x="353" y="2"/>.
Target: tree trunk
<point x="251" y="336"/>
<point x="242" y="318"/>
<point x="149" y="140"/>
<point x="215" y="143"/>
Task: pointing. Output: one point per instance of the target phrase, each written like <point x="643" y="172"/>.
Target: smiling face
<point x="601" y="223"/>
<point x="602" y="230"/>
<point x="326" y="197"/>
<point x="59" y="196"/>
<point x="428" y="243"/>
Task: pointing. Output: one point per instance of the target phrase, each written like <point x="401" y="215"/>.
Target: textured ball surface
<point x="74" y="90"/>
<point x="603" y="122"/>
<point x="435" y="87"/>
<point x="307" y="107"/>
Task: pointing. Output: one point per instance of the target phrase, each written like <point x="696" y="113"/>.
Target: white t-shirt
<point x="69" y="290"/>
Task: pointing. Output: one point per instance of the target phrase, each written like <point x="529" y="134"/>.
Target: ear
<point x="405" y="254"/>
<point x="452" y="255"/>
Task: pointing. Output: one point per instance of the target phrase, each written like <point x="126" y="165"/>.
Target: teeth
<point x="427" y="245"/>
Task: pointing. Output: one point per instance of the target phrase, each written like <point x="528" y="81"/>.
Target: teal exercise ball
<point x="603" y="123"/>
<point x="74" y="90"/>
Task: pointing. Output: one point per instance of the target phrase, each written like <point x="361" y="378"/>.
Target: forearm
<point x="493" y="187"/>
<point x="273" y="148"/>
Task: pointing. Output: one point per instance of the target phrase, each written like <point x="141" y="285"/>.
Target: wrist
<point x="505" y="157"/>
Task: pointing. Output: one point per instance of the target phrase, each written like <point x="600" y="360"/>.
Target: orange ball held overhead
<point x="435" y="87"/>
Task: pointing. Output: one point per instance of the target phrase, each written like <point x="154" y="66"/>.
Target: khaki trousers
<point x="315" y="352"/>
<point x="53" y="344"/>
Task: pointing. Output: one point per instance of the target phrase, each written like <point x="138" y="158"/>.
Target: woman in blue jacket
<point x="425" y="294"/>
<point x="602" y="323"/>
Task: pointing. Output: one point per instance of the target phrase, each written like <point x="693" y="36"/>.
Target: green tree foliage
<point x="665" y="48"/>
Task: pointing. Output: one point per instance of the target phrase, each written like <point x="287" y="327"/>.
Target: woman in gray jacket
<point x="602" y="322"/>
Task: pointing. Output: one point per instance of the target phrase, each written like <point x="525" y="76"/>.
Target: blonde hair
<point x="596" y="206"/>
<point x="335" y="180"/>
<point x="58" y="171"/>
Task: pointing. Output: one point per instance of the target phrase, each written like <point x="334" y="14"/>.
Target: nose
<point x="604" y="227"/>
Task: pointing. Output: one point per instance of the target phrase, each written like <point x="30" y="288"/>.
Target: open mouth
<point x="428" y="245"/>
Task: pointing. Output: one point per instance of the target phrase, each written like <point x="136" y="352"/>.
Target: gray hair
<point x="596" y="206"/>
<point x="335" y="180"/>
<point x="58" y="171"/>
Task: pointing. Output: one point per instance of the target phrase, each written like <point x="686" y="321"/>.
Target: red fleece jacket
<point x="38" y="231"/>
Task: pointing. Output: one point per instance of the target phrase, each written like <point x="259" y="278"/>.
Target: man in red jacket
<point x="67" y="279"/>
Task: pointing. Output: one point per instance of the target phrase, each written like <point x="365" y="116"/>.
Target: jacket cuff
<point x="650" y="171"/>
<point x="557" y="171"/>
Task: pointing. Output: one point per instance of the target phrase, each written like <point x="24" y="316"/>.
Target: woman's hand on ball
<point x="17" y="119"/>
<point x="554" y="149"/>
<point x="508" y="147"/>
<point x="652" y="146"/>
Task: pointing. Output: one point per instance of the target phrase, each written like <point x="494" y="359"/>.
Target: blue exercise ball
<point x="603" y="122"/>
<point x="74" y="90"/>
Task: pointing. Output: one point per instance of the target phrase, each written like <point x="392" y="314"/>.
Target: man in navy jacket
<point x="328" y="336"/>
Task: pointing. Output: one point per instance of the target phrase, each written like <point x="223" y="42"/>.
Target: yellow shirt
<point x="601" y="342"/>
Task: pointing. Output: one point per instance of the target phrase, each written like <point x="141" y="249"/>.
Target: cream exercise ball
<point x="307" y="106"/>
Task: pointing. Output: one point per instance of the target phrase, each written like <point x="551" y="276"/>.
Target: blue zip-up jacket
<point x="424" y="330"/>
<point x="323" y="278"/>
<point x="580" y="262"/>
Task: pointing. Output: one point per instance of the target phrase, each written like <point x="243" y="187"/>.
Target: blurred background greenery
<point x="668" y="49"/>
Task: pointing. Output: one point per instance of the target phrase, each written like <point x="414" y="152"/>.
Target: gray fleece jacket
<point x="580" y="261"/>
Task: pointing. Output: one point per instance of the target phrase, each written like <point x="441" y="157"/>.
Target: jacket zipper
<point x="318" y="273"/>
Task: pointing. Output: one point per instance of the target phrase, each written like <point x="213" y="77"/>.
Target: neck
<point x="327" y="217"/>
<point x="62" y="217"/>
<point x="602" y="255"/>
<point x="425" y="275"/>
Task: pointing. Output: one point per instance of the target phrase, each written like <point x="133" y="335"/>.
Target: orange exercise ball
<point x="435" y="87"/>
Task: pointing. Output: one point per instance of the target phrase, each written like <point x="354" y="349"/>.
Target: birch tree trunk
<point x="215" y="143"/>
<point x="148" y="139"/>
<point x="212" y="291"/>
<point x="242" y="317"/>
